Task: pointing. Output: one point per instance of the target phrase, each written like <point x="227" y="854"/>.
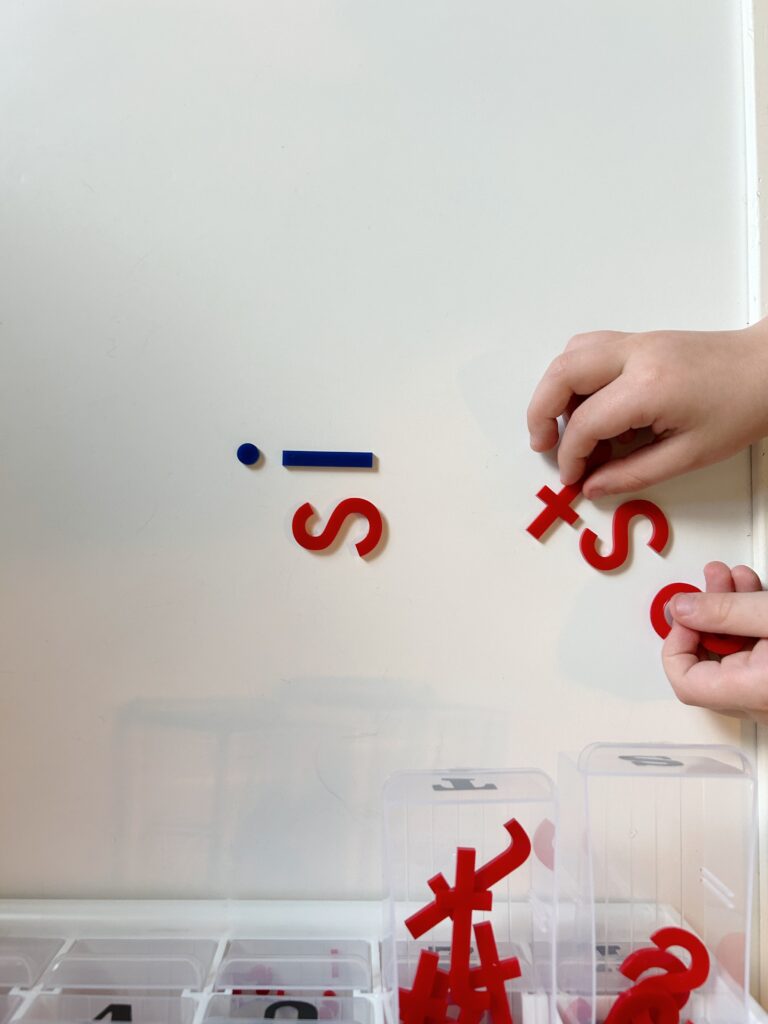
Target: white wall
<point x="331" y="225"/>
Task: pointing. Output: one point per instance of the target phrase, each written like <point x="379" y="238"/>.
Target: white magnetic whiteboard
<point x="334" y="226"/>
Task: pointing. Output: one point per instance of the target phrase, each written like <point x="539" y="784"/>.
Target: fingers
<point x="608" y="413"/>
<point x="718" y="578"/>
<point x="738" y="614"/>
<point x="593" y="337"/>
<point x="681" y="649"/>
<point x="649" y="465"/>
<point x="745" y="579"/>
<point x="679" y="653"/>
<point x="735" y="685"/>
<point x="585" y="367"/>
<point x="708" y="684"/>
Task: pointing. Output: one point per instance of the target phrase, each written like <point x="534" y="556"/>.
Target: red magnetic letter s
<point x="621" y="520"/>
<point x="346" y="508"/>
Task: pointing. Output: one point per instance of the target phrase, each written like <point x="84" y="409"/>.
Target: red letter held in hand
<point x="621" y="520"/>
<point x="493" y="973"/>
<point x="348" y="507"/>
<point x="558" y="507"/>
<point x="716" y="643"/>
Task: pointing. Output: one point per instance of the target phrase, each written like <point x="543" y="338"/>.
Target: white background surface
<point x="330" y="225"/>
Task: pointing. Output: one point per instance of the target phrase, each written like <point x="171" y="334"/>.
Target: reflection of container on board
<point x="205" y="790"/>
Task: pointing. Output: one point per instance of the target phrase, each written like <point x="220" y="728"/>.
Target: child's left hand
<point x="735" y="603"/>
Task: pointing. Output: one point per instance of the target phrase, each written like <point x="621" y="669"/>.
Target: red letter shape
<point x="472" y="1005"/>
<point x="428" y="999"/>
<point x="458" y="903"/>
<point x="489" y="874"/>
<point x="698" y="972"/>
<point x="676" y="985"/>
<point x="621" y="520"/>
<point x="716" y="643"/>
<point x="558" y="507"/>
<point x="493" y="973"/>
<point x="348" y="507"/>
<point x="647" y="959"/>
<point x="643" y="1006"/>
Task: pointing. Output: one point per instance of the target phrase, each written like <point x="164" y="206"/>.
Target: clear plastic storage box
<point x="652" y="837"/>
<point x="427" y="817"/>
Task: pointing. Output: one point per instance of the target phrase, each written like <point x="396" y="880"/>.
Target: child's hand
<point x="701" y="396"/>
<point x="735" y="603"/>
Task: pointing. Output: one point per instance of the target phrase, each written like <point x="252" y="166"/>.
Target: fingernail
<point x="595" y="492"/>
<point x="683" y="604"/>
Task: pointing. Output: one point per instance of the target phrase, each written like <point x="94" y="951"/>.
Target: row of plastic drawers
<point x="200" y="981"/>
<point x="181" y="981"/>
<point x="66" y="1008"/>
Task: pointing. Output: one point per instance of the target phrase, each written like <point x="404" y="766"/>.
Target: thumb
<point x="737" y="614"/>
<point x="648" y="465"/>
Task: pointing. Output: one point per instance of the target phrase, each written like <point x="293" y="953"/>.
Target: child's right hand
<point x="703" y="396"/>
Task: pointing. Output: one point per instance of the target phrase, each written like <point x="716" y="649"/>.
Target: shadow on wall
<point x="279" y="796"/>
